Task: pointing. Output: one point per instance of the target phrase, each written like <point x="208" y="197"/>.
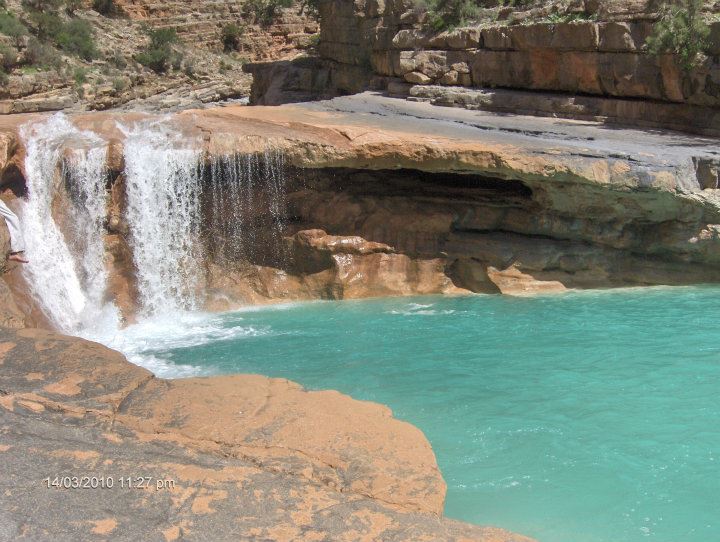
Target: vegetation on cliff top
<point x="265" y="11"/>
<point x="159" y="54"/>
<point x="682" y="31"/>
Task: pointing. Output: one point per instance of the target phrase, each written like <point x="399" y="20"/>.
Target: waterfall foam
<point x="162" y="175"/>
<point x="67" y="273"/>
<point x="235" y="202"/>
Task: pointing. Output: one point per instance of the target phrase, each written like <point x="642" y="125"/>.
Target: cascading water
<point x="163" y="213"/>
<point x="174" y="205"/>
<point x="246" y="195"/>
<point x="67" y="272"/>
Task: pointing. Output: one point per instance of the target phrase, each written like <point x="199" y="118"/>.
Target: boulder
<point x="418" y="78"/>
<point x="464" y="38"/>
<point x="512" y="281"/>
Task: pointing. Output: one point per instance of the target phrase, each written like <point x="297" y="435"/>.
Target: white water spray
<point x="64" y="218"/>
<point x="67" y="272"/>
<point x="163" y="213"/>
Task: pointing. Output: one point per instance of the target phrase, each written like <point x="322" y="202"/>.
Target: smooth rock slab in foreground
<point x="230" y="458"/>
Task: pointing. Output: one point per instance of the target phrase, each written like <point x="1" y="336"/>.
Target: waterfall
<point x="67" y="272"/>
<point x="245" y="196"/>
<point x="180" y="209"/>
<point x="162" y="176"/>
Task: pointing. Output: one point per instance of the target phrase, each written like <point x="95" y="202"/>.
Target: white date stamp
<point x="108" y="482"/>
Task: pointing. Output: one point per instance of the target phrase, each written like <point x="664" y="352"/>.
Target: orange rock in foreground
<point x="222" y="458"/>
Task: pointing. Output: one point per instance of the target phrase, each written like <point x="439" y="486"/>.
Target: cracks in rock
<point x="142" y="383"/>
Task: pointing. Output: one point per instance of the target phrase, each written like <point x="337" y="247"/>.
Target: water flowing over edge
<point x="65" y="214"/>
<point x="162" y="176"/>
<point x="67" y="273"/>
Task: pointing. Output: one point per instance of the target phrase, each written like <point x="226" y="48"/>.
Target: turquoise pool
<point x="585" y="417"/>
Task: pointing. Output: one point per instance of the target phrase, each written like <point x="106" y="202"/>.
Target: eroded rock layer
<point x="376" y="197"/>
<point x="585" y="60"/>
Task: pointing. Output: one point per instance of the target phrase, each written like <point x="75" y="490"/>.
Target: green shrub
<point x="682" y="31"/>
<point x="42" y="5"/>
<point x="447" y="14"/>
<point x="10" y="26"/>
<point x="9" y="58"/>
<point x="71" y="6"/>
<point x="105" y="7"/>
<point x="266" y="11"/>
<point x="118" y="60"/>
<point x="48" y="24"/>
<point x="76" y="38"/>
<point x="159" y="54"/>
<point x="80" y="76"/>
<point x="40" y="54"/>
<point x="120" y="84"/>
<point x="231" y="34"/>
<point x="310" y="7"/>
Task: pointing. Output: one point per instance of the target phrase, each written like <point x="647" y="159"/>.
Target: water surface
<point x="586" y="417"/>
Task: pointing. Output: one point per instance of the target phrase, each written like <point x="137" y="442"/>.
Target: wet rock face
<point x="519" y="230"/>
<point x="322" y="266"/>
<point x="381" y="197"/>
<point x="220" y="458"/>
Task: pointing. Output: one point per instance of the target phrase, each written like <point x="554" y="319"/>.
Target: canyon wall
<point x="200" y="23"/>
<point x="200" y="70"/>
<point x="595" y="69"/>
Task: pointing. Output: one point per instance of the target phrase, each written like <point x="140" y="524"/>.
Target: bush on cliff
<point x="266" y="11"/>
<point x="71" y="6"/>
<point x="681" y="31"/>
<point x="75" y="37"/>
<point x="231" y="34"/>
<point x="41" y="55"/>
<point x="10" y="26"/>
<point x="159" y="54"/>
<point x="311" y="8"/>
<point x="8" y="58"/>
<point x="447" y="14"/>
<point x="40" y="5"/>
<point x="105" y="7"/>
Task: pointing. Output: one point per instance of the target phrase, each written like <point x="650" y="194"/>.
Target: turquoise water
<point x="576" y="418"/>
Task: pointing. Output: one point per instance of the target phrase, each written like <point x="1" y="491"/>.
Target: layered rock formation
<point x="387" y="45"/>
<point x="394" y="198"/>
<point x="200" y="24"/>
<point x="201" y="72"/>
<point x="223" y="458"/>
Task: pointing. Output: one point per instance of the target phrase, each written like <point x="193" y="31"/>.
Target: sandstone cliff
<point x="584" y="60"/>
